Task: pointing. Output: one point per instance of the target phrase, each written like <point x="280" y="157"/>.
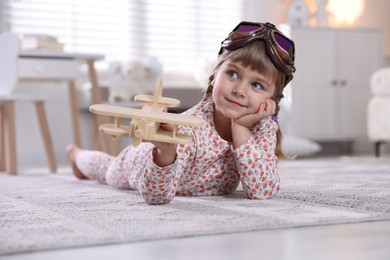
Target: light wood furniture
<point x="41" y="66"/>
<point x="56" y="66"/>
<point x="8" y="158"/>
<point x="145" y="123"/>
<point x="330" y="88"/>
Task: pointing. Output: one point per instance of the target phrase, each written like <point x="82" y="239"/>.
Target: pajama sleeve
<point x="257" y="163"/>
<point x="158" y="185"/>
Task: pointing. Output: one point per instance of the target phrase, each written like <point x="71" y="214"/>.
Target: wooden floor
<point x="359" y="241"/>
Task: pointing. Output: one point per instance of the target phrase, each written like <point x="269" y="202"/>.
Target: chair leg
<point x="10" y="137"/>
<point x="2" y="139"/>
<point x="378" y="149"/>
<point x="46" y="136"/>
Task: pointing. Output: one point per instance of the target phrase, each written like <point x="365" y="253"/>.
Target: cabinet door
<point x="359" y="56"/>
<point x="314" y="108"/>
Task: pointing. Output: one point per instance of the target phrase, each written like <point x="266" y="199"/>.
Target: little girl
<point x="240" y="140"/>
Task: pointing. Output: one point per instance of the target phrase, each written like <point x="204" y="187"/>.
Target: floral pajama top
<point x="207" y="166"/>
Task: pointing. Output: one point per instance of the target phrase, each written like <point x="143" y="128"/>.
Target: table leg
<point x="74" y="106"/>
<point x="100" y="142"/>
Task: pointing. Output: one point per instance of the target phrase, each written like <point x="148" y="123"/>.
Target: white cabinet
<point x="331" y="85"/>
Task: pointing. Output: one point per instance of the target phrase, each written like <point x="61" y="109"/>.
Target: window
<point x="177" y="32"/>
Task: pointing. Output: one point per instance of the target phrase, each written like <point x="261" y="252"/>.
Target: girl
<point x="240" y="140"/>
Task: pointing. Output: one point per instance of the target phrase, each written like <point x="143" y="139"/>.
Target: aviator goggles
<point x="279" y="48"/>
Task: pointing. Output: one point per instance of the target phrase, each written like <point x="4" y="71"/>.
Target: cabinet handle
<point x="334" y="83"/>
<point x="343" y="83"/>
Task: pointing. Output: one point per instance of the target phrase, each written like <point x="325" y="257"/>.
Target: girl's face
<point x="239" y="90"/>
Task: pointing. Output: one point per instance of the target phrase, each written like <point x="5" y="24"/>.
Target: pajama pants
<point x="122" y="171"/>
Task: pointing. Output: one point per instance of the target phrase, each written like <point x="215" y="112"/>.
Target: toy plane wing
<point x="139" y="114"/>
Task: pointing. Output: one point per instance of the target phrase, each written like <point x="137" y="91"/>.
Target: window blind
<point x="176" y="32"/>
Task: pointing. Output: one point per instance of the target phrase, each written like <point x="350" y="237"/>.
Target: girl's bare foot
<point x="71" y="152"/>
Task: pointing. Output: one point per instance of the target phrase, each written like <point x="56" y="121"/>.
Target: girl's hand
<point x="240" y="126"/>
<point x="165" y="153"/>
<point x="162" y="145"/>
<point x="266" y="109"/>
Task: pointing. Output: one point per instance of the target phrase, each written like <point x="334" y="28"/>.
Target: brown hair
<point x="254" y="55"/>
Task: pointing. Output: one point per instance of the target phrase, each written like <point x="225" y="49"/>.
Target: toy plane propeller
<point x="145" y="123"/>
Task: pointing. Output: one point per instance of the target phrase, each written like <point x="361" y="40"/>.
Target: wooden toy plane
<point x="145" y="123"/>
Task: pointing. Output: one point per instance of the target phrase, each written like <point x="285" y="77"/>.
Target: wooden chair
<point x="8" y="80"/>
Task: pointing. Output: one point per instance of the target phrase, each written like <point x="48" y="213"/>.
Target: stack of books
<point x="41" y="42"/>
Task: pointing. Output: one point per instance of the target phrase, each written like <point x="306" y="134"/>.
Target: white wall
<point x="264" y="11"/>
<point x="377" y="16"/>
<point x="30" y="148"/>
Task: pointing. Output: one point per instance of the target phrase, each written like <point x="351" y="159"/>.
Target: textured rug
<point x="52" y="211"/>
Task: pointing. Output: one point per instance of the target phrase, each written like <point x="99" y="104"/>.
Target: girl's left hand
<point x="266" y="109"/>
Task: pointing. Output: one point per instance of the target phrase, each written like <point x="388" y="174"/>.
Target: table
<point x="63" y="66"/>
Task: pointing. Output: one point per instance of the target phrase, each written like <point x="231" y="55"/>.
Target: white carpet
<point x="51" y="211"/>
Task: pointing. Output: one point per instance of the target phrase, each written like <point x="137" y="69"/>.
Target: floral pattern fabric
<point x="207" y="166"/>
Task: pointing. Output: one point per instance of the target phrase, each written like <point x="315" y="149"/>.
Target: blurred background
<point x="339" y="45"/>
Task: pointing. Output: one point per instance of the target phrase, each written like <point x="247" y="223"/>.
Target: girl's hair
<point x="254" y="55"/>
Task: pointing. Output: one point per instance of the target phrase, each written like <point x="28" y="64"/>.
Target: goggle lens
<point x="283" y="42"/>
<point x="247" y="28"/>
